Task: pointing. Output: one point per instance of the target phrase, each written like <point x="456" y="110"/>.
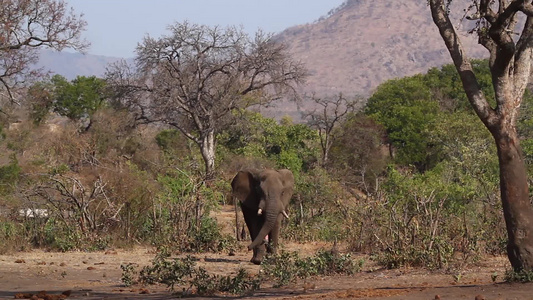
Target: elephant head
<point x="264" y="197"/>
<point x="262" y="205"/>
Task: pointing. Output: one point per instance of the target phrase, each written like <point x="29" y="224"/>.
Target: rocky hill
<point x="363" y="43"/>
<point x="352" y="50"/>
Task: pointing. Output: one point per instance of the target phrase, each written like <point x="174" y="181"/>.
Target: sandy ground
<point x="96" y="275"/>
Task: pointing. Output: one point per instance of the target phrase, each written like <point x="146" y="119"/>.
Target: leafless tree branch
<point x="26" y="25"/>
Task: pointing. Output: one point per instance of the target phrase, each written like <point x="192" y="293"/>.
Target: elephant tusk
<point x="285" y="214"/>
<point x="259" y="212"/>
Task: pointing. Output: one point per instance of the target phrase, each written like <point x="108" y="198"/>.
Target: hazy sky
<point x="116" y="26"/>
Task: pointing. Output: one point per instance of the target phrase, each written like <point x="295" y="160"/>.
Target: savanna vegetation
<point x="412" y="179"/>
<point x="145" y="156"/>
<point x="504" y="30"/>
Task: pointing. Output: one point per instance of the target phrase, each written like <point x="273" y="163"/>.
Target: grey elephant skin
<point x="270" y="189"/>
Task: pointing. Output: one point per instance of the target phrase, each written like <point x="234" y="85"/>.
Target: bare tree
<point x="510" y="50"/>
<point x="25" y="26"/>
<point x="196" y="76"/>
<point x="329" y="113"/>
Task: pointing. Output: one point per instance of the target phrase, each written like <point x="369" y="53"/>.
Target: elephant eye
<point x="259" y="191"/>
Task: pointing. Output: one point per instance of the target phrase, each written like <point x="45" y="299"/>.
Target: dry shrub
<point x="83" y="176"/>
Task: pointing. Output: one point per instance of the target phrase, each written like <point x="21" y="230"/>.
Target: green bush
<point x="207" y="237"/>
<point x="316" y="210"/>
<point x="284" y="268"/>
<point x="128" y="274"/>
<point x="183" y="215"/>
<point x="519" y="276"/>
<point x="184" y="273"/>
<point x="167" y="271"/>
<point x="60" y="237"/>
<point x="435" y="258"/>
<point x="13" y="237"/>
<point x="239" y="284"/>
<point x="9" y="176"/>
<point x="281" y="268"/>
<point x="289" y="145"/>
<point x="287" y="267"/>
<point x="79" y="97"/>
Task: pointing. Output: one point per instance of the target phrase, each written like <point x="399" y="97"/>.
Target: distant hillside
<point x="71" y="65"/>
<point x="363" y="43"/>
<point x="352" y="50"/>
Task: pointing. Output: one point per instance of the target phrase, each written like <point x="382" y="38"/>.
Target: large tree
<point x="509" y="42"/>
<point x="404" y="107"/>
<point x="197" y="75"/>
<point x="329" y="113"/>
<point x="25" y="26"/>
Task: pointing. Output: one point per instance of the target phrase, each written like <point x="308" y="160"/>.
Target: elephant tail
<point x="270" y="221"/>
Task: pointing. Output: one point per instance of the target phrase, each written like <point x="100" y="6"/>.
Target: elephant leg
<point x="243" y="233"/>
<point x="254" y="224"/>
<point x="273" y="237"/>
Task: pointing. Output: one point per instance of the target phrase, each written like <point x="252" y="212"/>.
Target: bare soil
<point x="96" y="275"/>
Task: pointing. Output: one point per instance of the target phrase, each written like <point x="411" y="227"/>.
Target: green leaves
<point x="287" y="267"/>
<point x="78" y="98"/>
<point x="289" y="145"/>
<point x="428" y="117"/>
<point x="447" y="88"/>
<point x="9" y="176"/>
<point x="407" y="111"/>
<point x="74" y="99"/>
<point x="183" y="272"/>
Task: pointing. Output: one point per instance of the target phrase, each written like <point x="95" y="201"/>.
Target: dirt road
<point x="97" y="275"/>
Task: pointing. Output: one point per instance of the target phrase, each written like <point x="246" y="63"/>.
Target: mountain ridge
<point x="70" y="65"/>
<point x="351" y="50"/>
<point x="364" y="43"/>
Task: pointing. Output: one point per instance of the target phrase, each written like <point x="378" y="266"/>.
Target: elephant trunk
<point x="271" y="217"/>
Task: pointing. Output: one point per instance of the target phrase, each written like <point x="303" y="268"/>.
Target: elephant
<point x="264" y="196"/>
<point x="262" y="205"/>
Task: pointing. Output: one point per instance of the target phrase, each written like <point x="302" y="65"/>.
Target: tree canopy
<point x="505" y="29"/>
<point x="407" y="110"/>
<point x="197" y="75"/>
<point x="28" y="25"/>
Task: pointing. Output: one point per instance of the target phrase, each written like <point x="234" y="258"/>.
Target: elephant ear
<point x="245" y="185"/>
<point x="240" y="185"/>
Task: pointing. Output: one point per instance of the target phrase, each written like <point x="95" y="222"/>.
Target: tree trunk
<point x="510" y="65"/>
<point x="325" y="154"/>
<point x="208" y="147"/>
<point x="517" y="209"/>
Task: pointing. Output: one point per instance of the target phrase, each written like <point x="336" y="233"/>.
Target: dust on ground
<point x="97" y="275"/>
